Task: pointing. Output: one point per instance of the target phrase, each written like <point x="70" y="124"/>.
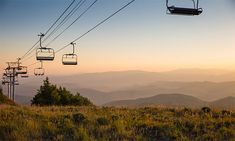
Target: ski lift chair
<point x="40" y="70"/>
<point x="184" y="11"/>
<point x="17" y="83"/>
<point x="44" y="53"/>
<point x="24" y="76"/>
<point x="71" y="58"/>
<point x="22" y="70"/>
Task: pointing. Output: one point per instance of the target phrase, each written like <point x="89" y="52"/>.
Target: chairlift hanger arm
<point x="41" y="35"/>
<point x="41" y="64"/>
<point x="73" y="44"/>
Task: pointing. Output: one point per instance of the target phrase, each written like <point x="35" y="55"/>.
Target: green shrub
<point x="206" y="110"/>
<point x="79" y="118"/>
<point x="102" y="121"/>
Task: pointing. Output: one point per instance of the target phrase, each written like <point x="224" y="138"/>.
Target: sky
<point x="141" y="37"/>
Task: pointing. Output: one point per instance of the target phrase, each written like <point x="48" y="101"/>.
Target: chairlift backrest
<point x="184" y="11"/>
<point x="69" y="59"/>
<point x="45" y="54"/>
<point x="12" y="65"/>
<point x="22" y="70"/>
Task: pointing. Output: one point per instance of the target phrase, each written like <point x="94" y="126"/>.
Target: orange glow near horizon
<point x="158" y="42"/>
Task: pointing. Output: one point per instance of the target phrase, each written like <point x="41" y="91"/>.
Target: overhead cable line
<point x="79" y="4"/>
<point x="93" y="28"/>
<point x="33" y="64"/>
<point x="29" y="50"/>
<point x="33" y="55"/>
<point x="67" y="27"/>
<point x="60" y="17"/>
<point x="49" y="28"/>
<point x="65" y="19"/>
<point x="72" y="23"/>
<point x="100" y="23"/>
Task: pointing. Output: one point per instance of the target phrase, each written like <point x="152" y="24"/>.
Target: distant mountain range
<point x="101" y="88"/>
<point x="174" y="100"/>
<point x="112" y="81"/>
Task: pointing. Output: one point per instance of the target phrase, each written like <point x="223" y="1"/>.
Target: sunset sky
<point x="141" y="37"/>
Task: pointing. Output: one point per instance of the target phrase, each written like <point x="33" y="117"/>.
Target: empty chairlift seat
<point x="185" y="11"/>
<point x="45" y="54"/>
<point x="24" y="76"/>
<point x="69" y="59"/>
<point x="40" y="70"/>
<point x="22" y="70"/>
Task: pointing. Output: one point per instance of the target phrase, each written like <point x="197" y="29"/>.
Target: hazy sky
<point x="141" y="37"/>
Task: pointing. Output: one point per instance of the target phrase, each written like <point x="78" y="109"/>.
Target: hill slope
<point x="110" y="86"/>
<point x="175" y="100"/>
<point x="208" y="91"/>
<point x="227" y="103"/>
<point x="4" y="99"/>
<point x="162" y="99"/>
<point x="60" y="123"/>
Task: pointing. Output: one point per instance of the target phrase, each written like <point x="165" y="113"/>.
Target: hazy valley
<point x="102" y="88"/>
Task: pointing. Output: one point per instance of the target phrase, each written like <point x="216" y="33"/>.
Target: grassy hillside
<point x="103" y="124"/>
<point x="5" y="100"/>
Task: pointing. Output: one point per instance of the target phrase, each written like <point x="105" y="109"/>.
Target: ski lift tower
<point x="10" y="78"/>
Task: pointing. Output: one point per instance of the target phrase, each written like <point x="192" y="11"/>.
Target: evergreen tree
<point x="49" y="94"/>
